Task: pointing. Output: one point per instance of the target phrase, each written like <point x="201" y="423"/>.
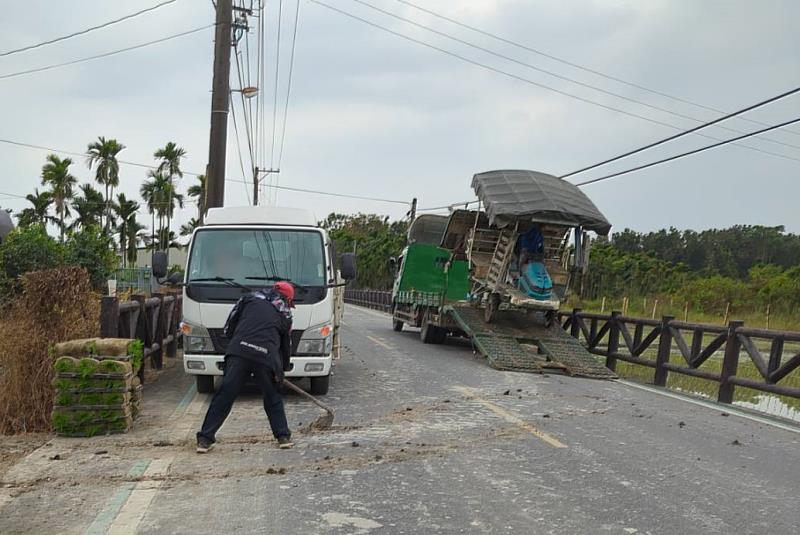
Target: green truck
<point x="460" y="275"/>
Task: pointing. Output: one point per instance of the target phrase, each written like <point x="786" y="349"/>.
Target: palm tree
<point x="126" y="212"/>
<point x="55" y="173"/>
<point x="161" y="199"/>
<point x="88" y="208"/>
<point x="134" y="236"/>
<point x="198" y="191"/>
<point x="38" y="213"/>
<point x="103" y="153"/>
<point x="189" y="226"/>
<point x="170" y="165"/>
<point x="170" y="156"/>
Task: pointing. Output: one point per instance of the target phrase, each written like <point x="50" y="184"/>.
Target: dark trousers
<point x="237" y="371"/>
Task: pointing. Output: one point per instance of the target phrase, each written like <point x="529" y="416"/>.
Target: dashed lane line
<point x="509" y="417"/>
<point x="380" y="343"/>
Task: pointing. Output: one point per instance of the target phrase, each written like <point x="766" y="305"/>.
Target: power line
<point x="690" y="131"/>
<point x="301" y="190"/>
<point x="277" y="67"/>
<point x="576" y="65"/>
<point x="532" y="82"/>
<point x="239" y="147"/>
<point x="689" y="153"/>
<point x="87" y="30"/>
<point x="82" y="155"/>
<point x="107" y="54"/>
<point x="318" y="192"/>
<point x="289" y="86"/>
<point x="553" y="74"/>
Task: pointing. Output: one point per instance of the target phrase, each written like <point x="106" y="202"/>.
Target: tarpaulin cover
<point x="517" y="194"/>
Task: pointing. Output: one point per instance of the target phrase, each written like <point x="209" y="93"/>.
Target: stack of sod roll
<point x="97" y="391"/>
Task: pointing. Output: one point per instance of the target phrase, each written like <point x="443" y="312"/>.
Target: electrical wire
<point x="82" y="155"/>
<point x="556" y="75"/>
<point x="239" y="147"/>
<point x="277" y="71"/>
<point x="532" y="82"/>
<point x="146" y="166"/>
<point x="689" y="153"/>
<point x="289" y="85"/>
<point x="106" y="54"/>
<point x="318" y="192"/>
<point x="87" y="30"/>
<point x="686" y="132"/>
<point x="576" y="65"/>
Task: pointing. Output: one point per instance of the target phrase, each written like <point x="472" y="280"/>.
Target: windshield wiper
<point x="227" y="281"/>
<point x="280" y="279"/>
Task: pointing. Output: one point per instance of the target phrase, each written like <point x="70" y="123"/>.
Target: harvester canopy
<point x="513" y="195"/>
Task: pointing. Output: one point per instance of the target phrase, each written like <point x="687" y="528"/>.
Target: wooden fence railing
<point x="653" y="343"/>
<point x="376" y="299"/>
<point x="153" y="320"/>
<point x="617" y="337"/>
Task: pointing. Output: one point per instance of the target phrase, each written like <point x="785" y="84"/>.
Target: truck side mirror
<point x="348" y="266"/>
<point x="176" y="278"/>
<point x="160" y="264"/>
<point x="393" y="265"/>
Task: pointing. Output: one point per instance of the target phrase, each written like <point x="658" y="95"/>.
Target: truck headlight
<point x="316" y="340"/>
<point x="196" y="338"/>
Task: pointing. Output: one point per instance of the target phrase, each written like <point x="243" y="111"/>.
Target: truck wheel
<point x="205" y="384"/>
<point x="320" y="385"/>
<point x="492" y="304"/>
<point x="431" y="334"/>
<point x="397" y="325"/>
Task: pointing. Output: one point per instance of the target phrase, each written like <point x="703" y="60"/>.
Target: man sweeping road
<point x="259" y="328"/>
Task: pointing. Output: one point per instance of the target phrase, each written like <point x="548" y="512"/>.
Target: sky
<point x="375" y="115"/>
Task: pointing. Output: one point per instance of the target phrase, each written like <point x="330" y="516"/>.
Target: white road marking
<point x="729" y="409"/>
<point x="137" y="504"/>
<point x="511" y="418"/>
<point x="380" y="343"/>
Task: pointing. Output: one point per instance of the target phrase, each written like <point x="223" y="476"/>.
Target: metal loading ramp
<point x="516" y="342"/>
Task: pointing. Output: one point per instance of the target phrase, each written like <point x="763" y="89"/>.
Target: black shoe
<point x="204" y="445"/>
<point x="285" y="443"/>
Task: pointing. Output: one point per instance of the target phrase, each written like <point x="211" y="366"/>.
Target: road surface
<point x="427" y="439"/>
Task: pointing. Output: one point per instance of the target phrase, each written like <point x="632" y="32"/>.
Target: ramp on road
<point x="517" y="342"/>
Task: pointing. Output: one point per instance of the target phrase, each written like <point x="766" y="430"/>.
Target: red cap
<point x="286" y="290"/>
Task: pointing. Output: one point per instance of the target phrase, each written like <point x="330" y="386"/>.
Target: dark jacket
<point x="259" y="329"/>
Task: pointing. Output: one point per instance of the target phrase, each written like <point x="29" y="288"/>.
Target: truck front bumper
<point x="302" y="366"/>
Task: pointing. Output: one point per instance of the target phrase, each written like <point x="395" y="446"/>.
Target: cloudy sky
<point x="375" y="115"/>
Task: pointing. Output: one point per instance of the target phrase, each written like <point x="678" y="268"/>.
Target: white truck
<point x="255" y="247"/>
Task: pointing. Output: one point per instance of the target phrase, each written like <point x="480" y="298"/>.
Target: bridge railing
<point x="670" y="346"/>
<point x="153" y="320"/>
<point x="375" y="299"/>
<point x="656" y="343"/>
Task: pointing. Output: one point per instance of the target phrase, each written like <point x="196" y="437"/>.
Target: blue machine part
<point x="535" y="281"/>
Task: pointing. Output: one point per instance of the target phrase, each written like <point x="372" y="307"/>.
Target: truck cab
<point x="254" y="247"/>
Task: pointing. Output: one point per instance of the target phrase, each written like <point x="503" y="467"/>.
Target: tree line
<point x="747" y="266"/>
<point x="71" y="207"/>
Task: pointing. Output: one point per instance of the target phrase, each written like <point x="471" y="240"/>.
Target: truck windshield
<point x="245" y="254"/>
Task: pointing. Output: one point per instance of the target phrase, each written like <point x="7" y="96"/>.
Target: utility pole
<point x="413" y="213"/>
<point x="255" y="186"/>
<point x="220" y="97"/>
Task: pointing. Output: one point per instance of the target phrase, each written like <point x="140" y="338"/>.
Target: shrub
<point x="27" y="249"/>
<point x="91" y="249"/>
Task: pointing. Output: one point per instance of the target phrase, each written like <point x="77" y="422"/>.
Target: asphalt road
<point x="427" y="439"/>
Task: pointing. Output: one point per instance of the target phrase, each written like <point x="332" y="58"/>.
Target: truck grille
<point x="220" y="341"/>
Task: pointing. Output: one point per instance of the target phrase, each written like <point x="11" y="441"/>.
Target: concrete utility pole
<point x="255" y="186"/>
<point x="220" y="96"/>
